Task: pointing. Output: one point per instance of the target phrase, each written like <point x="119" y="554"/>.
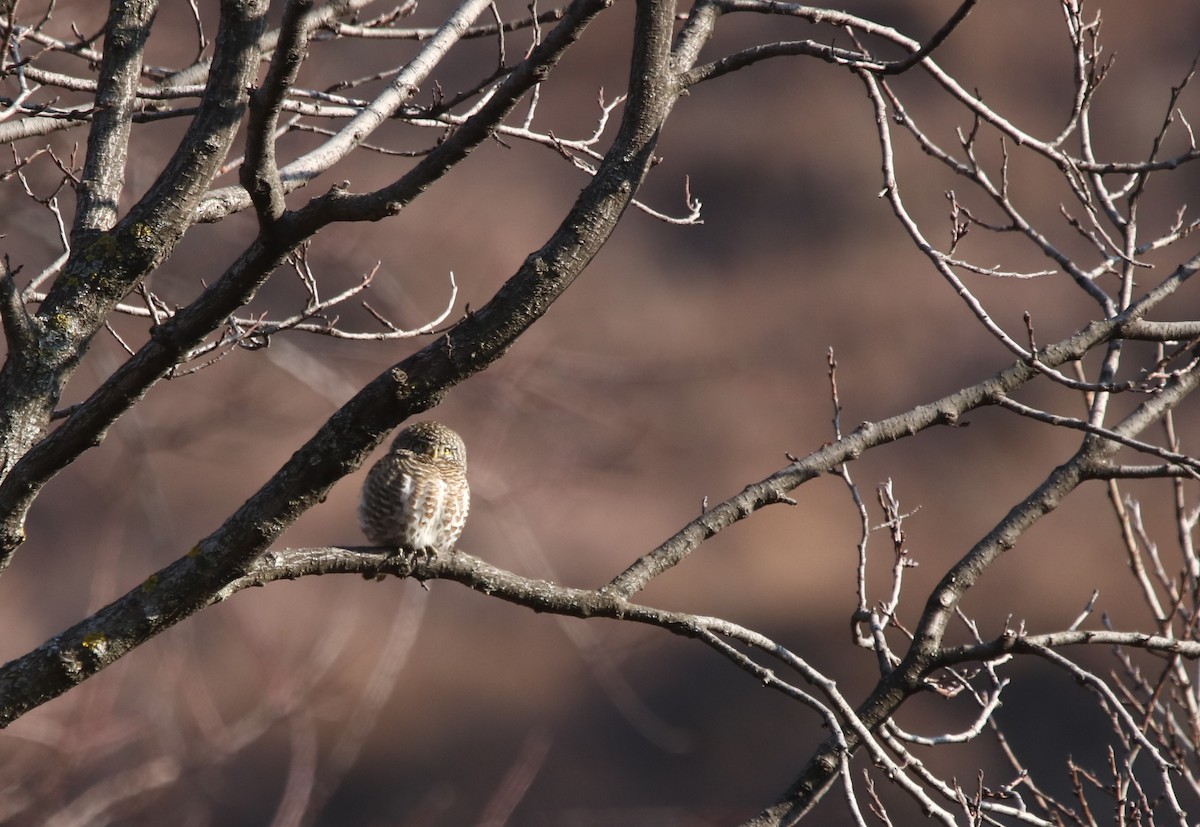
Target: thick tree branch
<point x="99" y="189"/>
<point x="417" y="383"/>
<point x="19" y="330"/>
<point x="111" y="266"/>
<point x="101" y="272"/>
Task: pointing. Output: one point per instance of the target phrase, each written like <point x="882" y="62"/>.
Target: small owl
<point x="416" y="498"/>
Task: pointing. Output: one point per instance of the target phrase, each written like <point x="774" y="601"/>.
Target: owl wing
<point x="387" y="497"/>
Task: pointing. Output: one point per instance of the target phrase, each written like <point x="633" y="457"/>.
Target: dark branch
<point x="933" y="43"/>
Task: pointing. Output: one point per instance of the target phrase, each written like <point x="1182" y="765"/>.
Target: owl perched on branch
<point x="416" y="498"/>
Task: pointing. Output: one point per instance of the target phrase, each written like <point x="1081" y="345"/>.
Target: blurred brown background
<point x="683" y="365"/>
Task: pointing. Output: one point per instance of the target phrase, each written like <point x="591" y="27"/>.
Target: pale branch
<point x="950" y="792"/>
<point x="1014" y="643"/>
<point x="566" y="148"/>
<point x="862" y="611"/>
<point x="55" y="267"/>
<point x="14" y="106"/>
<point x="1178" y="231"/>
<point x="169" y="83"/>
<point x="1086" y="612"/>
<point x="198" y="72"/>
<point x="1121" y="717"/>
<point x="1162" y="331"/>
<point x="297" y="125"/>
<point x="71" y="83"/>
<point x="894" y="523"/>
<point x="1134" y="540"/>
<point x="699" y="26"/>
<point x="301" y="171"/>
<point x="848" y="792"/>
<point x="47" y="119"/>
<point x="1177" y="460"/>
<point x="377" y="29"/>
<point x="891" y="191"/>
<point x="1169" y="586"/>
<point x="995" y="271"/>
<point x="1087" y="71"/>
<point x="1137" y="182"/>
<point x="254" y="333"/>
<point x="190" y="82"/>
<point x="798" y="48"/>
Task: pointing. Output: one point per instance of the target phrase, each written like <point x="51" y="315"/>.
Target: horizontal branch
<point x="1058" y="421"/>
<point x="546" y="596"/>
<point x="1013" y="643"/>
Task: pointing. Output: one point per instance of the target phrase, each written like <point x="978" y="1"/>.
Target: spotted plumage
<point x="416" y="498"/>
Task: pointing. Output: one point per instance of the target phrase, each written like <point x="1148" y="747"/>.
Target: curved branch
<point x="939" y="37"/>
<point x="755" y="54"/>
<point x="1180" y="461"/>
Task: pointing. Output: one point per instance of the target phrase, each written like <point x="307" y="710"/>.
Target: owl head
<point x="433" y="440"/>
